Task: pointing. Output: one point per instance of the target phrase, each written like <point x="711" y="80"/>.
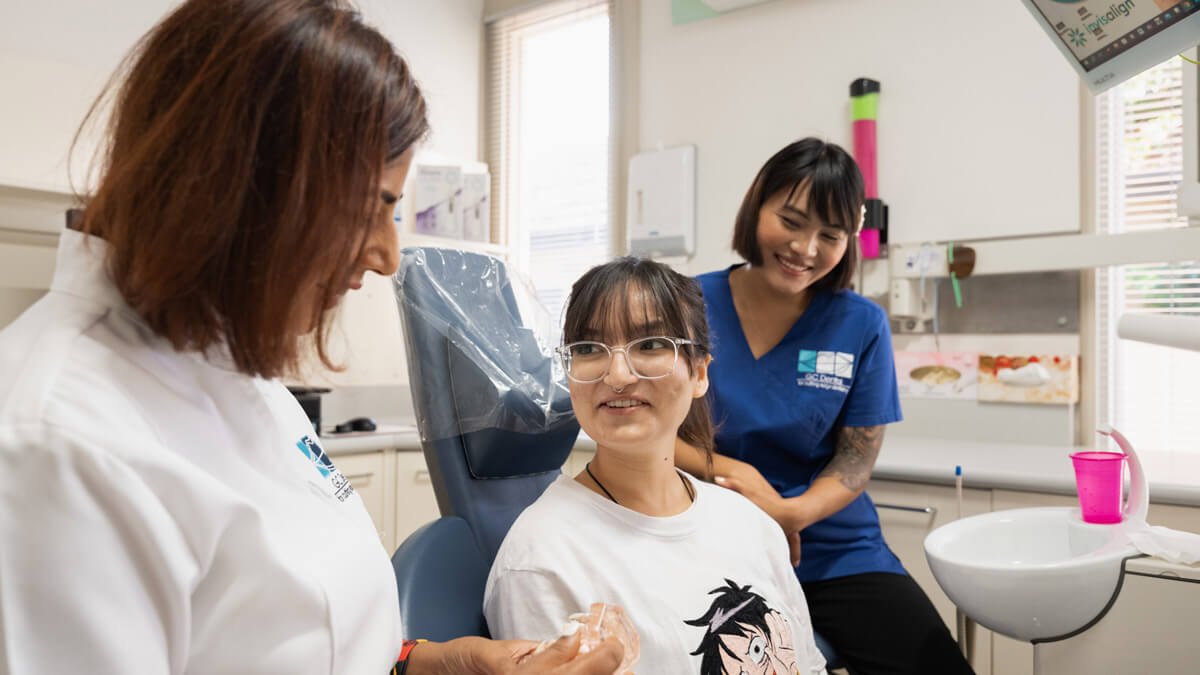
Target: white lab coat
<point x="162" y="513"/>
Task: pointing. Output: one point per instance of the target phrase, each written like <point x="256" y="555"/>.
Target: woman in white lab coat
<point x="165" y="506"/>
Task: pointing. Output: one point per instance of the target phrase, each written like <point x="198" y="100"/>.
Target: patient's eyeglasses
<point x="649" y="358"/>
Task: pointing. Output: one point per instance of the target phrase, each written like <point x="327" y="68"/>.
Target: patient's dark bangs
<point x="601" y="304"/>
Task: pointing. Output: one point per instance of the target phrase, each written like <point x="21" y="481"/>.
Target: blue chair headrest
<point x="477" y="371"/>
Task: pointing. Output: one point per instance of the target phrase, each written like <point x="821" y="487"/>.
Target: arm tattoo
<point x="854" y="457"/>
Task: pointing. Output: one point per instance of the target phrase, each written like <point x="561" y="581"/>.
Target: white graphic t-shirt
<point x="710" y="590"/>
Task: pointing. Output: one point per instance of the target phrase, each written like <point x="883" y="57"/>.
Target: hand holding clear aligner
<point x="601" y="622"/>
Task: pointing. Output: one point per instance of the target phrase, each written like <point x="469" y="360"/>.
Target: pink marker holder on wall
<point x="864" y="99"/>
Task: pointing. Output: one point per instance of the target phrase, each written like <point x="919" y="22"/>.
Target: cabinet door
<point x="415" y="502"/>
<point x="908" y="512"/>
<point x="1150" y="628"/>
<point x="366" y="473"/>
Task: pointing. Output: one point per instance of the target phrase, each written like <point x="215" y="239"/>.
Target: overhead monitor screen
<point x="1109" y="42"/>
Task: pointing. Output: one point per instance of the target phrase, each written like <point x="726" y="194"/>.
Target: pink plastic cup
<point x="1098" y="479"/>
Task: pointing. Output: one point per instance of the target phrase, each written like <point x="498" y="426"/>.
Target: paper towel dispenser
<point x="661" y="204"/>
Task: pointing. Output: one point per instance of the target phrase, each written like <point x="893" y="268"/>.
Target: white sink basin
<point x="1031" y="574"/>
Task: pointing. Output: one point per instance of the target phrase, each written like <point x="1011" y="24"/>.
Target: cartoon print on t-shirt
<point x="743" y="636"/>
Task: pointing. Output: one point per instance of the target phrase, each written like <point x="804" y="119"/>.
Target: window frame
<point x="500" y="149"/>
<point x="1109" y="289"/>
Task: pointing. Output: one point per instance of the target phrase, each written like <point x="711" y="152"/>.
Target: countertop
<point x="385" y="436"/>
<point x="1174" y="478"/>
<point x="400" y="436"/>
<point x="1154" y="567"/>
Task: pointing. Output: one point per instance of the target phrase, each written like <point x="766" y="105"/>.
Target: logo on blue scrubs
<point x="314" y="452"/>
<point x="825" y="370"/>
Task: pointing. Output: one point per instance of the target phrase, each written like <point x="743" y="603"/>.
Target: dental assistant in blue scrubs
<point x="802" y="386"/>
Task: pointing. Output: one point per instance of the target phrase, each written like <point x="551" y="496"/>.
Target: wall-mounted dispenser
<point x="661" y="205"/>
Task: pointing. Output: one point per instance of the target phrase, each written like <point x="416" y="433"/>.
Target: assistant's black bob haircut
<point x="835" y="195"/>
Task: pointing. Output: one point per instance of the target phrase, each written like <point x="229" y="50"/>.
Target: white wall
<point x="979" y="113"/>
<point x="441" y="40"/>
<point x="54" y="59"/>
<point x="56" y="56"/>
<point x="979" y="136"/>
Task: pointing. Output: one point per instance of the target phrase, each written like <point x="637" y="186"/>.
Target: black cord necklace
<point x="588" y="468"/>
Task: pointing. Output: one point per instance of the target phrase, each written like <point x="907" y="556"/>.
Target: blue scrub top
<point x="781" y="412"/>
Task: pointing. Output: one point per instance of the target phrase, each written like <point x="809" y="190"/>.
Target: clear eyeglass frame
<point x="564" y="356"/>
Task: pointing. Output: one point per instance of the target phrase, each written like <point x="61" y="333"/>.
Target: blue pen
<point x="958" y="487"/>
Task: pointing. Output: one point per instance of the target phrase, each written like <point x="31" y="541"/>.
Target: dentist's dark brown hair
<point x="241" y="169"/>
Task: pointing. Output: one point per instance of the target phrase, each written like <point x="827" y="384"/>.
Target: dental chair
<point x="496" y="427"/>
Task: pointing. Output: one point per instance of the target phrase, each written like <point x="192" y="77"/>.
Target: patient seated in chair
<point x="702" y="573"/>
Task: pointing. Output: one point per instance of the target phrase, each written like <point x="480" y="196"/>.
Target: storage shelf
<point x="1049" y="253"/>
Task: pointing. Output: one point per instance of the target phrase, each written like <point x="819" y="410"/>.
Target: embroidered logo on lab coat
<point x="825" y="370"/>
<point x="341" y="486"/>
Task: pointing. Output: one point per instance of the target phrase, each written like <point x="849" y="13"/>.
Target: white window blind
<point x="550" y="141"/>
<point x="1151" y="393"/>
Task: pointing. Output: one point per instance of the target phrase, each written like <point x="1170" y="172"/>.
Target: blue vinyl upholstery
<point x="440" y="575"/>
<point x="493" y="434"/>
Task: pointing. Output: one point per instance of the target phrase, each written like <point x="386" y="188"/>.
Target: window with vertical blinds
<point x="1151" y="393"/>
<point x="550" y="141"/>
